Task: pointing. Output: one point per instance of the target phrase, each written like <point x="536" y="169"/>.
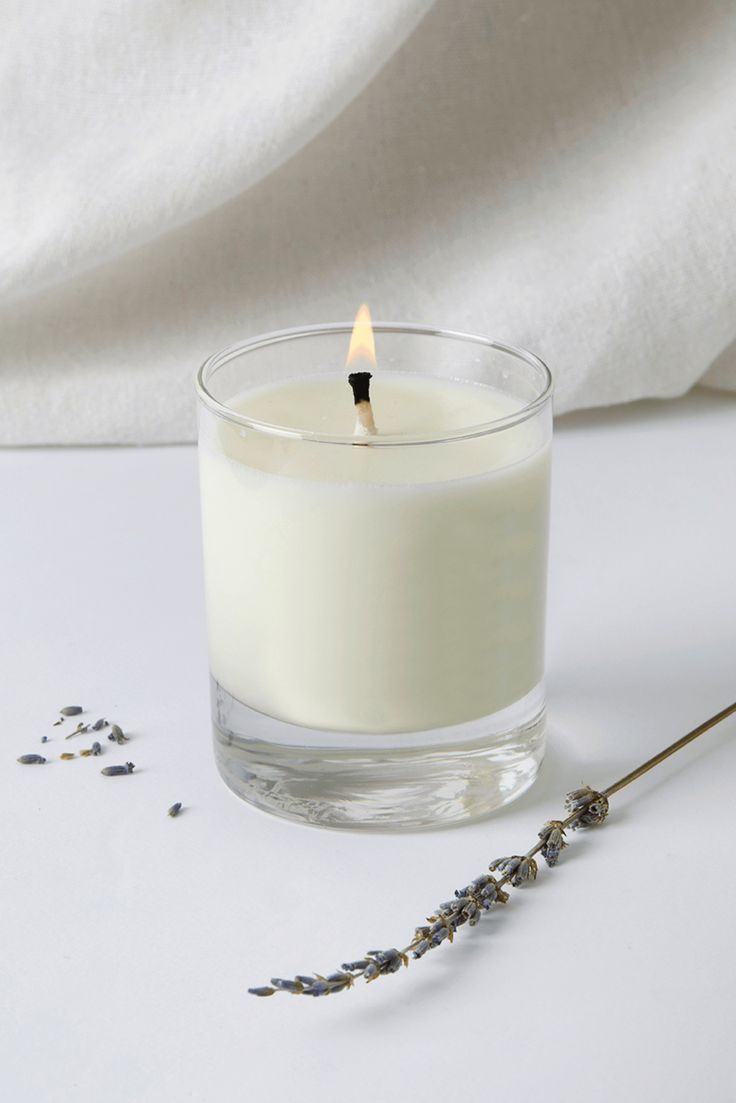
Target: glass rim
<point x="218" y="359"/>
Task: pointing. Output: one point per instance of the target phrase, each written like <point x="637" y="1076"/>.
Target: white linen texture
<point x="555" y="173"/>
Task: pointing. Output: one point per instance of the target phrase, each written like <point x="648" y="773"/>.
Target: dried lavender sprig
<point x="586" y="807"/>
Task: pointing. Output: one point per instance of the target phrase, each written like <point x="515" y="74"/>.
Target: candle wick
<point x="360" y="381"/>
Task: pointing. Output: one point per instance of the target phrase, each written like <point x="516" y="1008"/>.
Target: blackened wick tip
<point x="360" y="381"/>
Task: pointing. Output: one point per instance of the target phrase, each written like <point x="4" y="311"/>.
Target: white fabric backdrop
<point x="557" y="173"/>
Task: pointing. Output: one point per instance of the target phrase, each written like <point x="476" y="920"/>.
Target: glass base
<point x="402" y="781"/>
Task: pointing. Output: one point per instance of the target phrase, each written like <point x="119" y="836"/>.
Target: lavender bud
<point x="591" y="806"/>
<point x="287" y="985"/>
<point x="118" y="771"/>
<point x="355" y="966"/>
<point x="420" y="949"/>
<point x="517" y="869"/>
<point x="338" y="982"/>
<point x="319" y="988"/>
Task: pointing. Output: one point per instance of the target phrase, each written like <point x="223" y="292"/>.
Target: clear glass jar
<point x="376" y="605"/>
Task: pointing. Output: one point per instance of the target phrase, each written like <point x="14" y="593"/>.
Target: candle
<point x="379" y="577"/>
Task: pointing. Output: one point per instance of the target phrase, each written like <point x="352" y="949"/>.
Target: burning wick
<point x="360" y="381"/>
<point x="362" y="351"/>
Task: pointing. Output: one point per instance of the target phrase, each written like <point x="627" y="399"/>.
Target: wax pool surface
<point x="375" y="589"/>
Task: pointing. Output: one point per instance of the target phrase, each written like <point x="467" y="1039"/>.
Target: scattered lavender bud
<point x="95" y="749"/>
<point x="117" y="735"/>
<point x="118" y="771"/>
<point x="44" y="739"/>
<point x="28" y="759"/>
<point x="57" y="722"/>
<point x="78" y="730"/>
<point x="99" y="725"/>
<point x="175" y="809"/>
<point x="71" y="710"/>
<point x="264" y="991"/>
<point x="67" y="755"/>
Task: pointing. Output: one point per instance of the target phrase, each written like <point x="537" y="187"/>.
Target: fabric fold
<point x="134" y="118"/>
<point x="556" y="174"/>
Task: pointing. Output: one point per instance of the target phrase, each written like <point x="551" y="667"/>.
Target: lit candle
<point x="384" y="590"/>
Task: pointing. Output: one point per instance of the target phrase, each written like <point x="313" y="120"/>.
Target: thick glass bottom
<point x="402" y="781"/>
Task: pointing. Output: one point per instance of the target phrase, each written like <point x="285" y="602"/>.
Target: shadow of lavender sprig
<point x="586" y="808"/>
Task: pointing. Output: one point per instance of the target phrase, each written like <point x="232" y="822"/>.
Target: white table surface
<point x="128" y="939"/>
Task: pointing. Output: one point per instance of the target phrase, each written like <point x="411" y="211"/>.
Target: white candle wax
<point x="375" y="589"/>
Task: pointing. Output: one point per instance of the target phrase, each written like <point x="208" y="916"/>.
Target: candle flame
<point x="362" y="346"/>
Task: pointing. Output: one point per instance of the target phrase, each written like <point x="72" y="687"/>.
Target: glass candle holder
<point x="376" y="604"/>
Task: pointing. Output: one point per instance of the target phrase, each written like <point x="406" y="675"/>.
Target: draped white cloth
<point x="179" y="176"/>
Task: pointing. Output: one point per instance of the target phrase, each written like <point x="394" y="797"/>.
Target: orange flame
<point x="362" y="345"/>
